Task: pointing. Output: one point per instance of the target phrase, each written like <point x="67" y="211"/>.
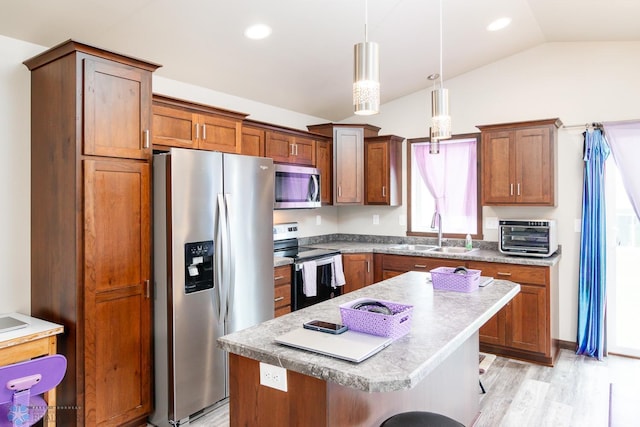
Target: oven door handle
<point x="319" y="262"/>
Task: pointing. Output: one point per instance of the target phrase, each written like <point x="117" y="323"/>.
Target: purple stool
<point x="21" y="388"/>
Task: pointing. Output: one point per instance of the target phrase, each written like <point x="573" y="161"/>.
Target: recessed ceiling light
<point x="499" y="24"/>
<point x="258" y="31"/>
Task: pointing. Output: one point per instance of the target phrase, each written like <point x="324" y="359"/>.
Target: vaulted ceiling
<point x="306" y="65"/>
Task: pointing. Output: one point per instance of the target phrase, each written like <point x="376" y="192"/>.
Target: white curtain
<point x="624" y="141"/>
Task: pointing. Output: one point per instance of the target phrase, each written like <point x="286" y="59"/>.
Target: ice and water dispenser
<point x="198" y="258"/>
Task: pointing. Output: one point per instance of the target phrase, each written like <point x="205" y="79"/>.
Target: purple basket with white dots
<point x="394" y="325"/>
<point x="444" y="278"/>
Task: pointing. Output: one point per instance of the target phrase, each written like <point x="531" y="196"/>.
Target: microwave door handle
<point x="316" y="188"/>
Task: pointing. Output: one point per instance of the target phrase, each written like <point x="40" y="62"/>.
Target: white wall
<point x="577" y="82"/>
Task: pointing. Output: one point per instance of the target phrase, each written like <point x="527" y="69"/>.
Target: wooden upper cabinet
<point x="285" y="147"/>
<point x="324" y="163"/>
<point x="253" y="141"/>
<point x="519" y="163"/>
<point x="116" y="109"/>
<point x="383" y="166"/>
<point x="184" y="124"/>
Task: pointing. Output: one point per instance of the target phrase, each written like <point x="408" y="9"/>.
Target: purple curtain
<point x="450" y="176"/>
<point x="624" y="141"/>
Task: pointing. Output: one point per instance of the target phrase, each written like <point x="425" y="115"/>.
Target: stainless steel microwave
<point x="296" y="187"/>
<point x="528" y="237"/>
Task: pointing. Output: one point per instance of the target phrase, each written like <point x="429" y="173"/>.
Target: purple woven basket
<point x="444" y="278"/>
<point x="384" y="325"/>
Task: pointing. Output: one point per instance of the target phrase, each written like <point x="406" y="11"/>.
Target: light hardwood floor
<point x="573" y="393"/>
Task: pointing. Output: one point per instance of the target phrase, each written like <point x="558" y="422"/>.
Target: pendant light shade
<point x="440" y="118"/>
<point x="366" y="74"/>
<point x="366" y="79"/>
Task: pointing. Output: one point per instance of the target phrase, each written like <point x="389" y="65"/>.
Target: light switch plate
<point x="376" y="219"/>
<point x="273" y="376"/>
<point x="577" y="225"/>
<point x="402" y="219"/>
<point x="318" y="220"/>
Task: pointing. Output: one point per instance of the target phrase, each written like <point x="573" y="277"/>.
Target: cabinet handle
<point x="147" y="289"/>
<point x="292" y="152"/>
<point x="384" y="191"/>
<point x="197" y="131"/>
<point x="339" y="191"/>
<point x="499" y="273"/>
<point x="518" y="189"/>
<point x="511" y="189"/>
<point x="146" y="138"/>
<point x="204" y="132"/>
<point x="368" y="270"/>
<point x="419" y="266"/>
<point x="278" y="299"/>
<point x="278" y="278"/>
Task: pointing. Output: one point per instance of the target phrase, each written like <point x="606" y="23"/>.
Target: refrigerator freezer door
<point x="186" y="184"/>
<point x="248" y="188"/>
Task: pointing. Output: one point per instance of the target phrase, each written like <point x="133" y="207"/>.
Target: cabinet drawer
<point x="282" y="295"/>
<point x="282" y="275"/>
<point x="415" y="263"/>
<point x="516" y="273"/>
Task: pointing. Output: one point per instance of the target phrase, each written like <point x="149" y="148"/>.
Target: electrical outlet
<point x="273" y="376"/>
<point x="402" y="219"/>
<point x="491" y="223"/>
<point x="577" y="225"/>
<point x="376" y="219"/>
<point x="318" y="220"/>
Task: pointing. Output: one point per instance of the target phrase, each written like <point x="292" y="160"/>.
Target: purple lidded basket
<point x="393" y="325"/>
<point x="444" y="278"/>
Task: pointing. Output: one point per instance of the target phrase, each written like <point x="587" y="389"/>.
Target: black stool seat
<point x="420" y="419"/>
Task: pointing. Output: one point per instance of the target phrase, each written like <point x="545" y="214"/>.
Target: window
<point x="447" y="182"/>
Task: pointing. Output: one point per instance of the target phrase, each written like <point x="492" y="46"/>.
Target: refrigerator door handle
<point x="229" y="255"/>
<point x="219" y="259"/>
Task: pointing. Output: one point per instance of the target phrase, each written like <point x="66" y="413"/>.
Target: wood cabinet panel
<point x="358" y="271"/>
<point x="282" y="290"/>
<point x="305" y="151"/>
<point x="219" y="133"/>
<point x="493" y="332"/>
<point x="404" y="263"/>
<point x="289" y="148"/>
<point x="324" y="163"/>
<point x="116" y="94"/>
<point x="519" y="163"/>
<point x="348" y="164"/>
<point x="253" y="141"/>
<point x="383" y="170"/>
<point x="526" y="320"/>
<point x="173" y="127"/>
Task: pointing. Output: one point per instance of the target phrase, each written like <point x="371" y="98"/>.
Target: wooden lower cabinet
<point x="358" y="271"/>
<point x="394" y="265"/>
<point x="282" y="290"/>
<point x="524" y="328"/>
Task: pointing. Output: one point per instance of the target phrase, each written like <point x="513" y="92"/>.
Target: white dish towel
<point x="309" y="278"/>
<point x="337" y="278"/>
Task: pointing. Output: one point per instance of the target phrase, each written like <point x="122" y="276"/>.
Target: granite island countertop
<point x="441" y="322"/>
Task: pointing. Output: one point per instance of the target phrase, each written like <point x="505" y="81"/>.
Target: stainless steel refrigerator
<point x="213" y="270"/>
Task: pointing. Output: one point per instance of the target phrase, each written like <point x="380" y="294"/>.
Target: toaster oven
<point x="528" y="237"/>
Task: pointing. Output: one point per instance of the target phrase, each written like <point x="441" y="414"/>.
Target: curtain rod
<point x="600" y="123"/>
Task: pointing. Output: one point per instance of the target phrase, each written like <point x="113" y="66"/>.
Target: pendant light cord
<point x="441" y="76"/>
<point x="366" y="18"/>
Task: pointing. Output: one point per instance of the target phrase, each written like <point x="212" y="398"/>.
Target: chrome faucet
<point x="437" y="218"/>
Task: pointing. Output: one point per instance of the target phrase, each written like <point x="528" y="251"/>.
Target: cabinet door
<point x="279" y="146"/>
<point x="117" y="110"/>
<point x="173" y="127"/>
<point x="358" y="271"/>
<point x="324" y="163"/>
<point x="493" y="332"/>
<point x="526" y="320"/>
<point x="534" y="168"/>
<point x="497" y="172"/>
<point x="304" y="151"/>
<point x="117" y="304"/>
<point x="252" y="141"/>
<point x="348" y="163"/>
<point x="219" y="133"/>
<point x="377" y="167"/>
<point x="282" y="290"/>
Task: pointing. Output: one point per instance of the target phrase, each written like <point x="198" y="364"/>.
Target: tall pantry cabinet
<point x="90" y="227"/>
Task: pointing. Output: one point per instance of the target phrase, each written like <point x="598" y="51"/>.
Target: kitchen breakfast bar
<point x="432" y="368"/>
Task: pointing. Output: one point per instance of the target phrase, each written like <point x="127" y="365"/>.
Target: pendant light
<point x="366" y="74"/>
<point x="440" y="119"/>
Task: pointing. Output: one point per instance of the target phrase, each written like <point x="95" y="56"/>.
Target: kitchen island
<point x="434" y="367"/>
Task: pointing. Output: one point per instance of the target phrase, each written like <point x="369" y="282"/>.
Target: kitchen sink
<point x="452" y="250"/>
<point x="414" y="247"/>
